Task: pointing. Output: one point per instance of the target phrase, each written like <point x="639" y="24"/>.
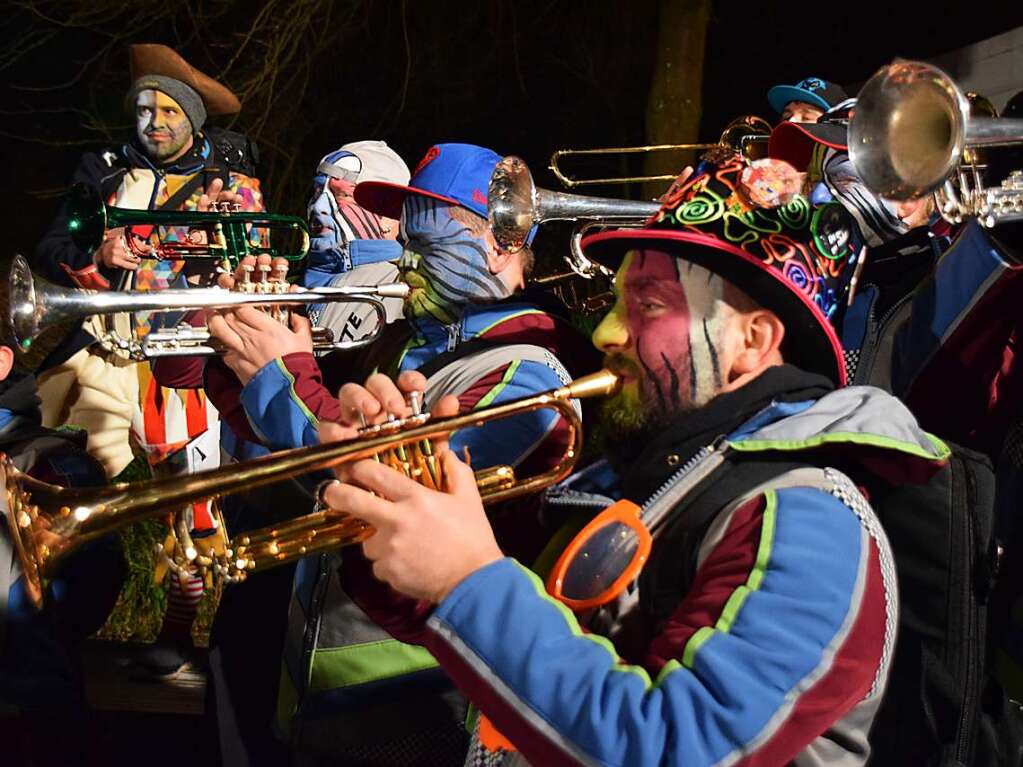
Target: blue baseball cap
<point x="809" y="90"/>
<point x="455" y="173"/>
<point x="458" y="174"/>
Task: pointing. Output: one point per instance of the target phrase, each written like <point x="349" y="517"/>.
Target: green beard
<point x="422" y="300"/>
<point x="161" y="152"/>
<point x="624" y="414"/>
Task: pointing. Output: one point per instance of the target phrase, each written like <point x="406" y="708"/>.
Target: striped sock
<point x="182" y="604"/>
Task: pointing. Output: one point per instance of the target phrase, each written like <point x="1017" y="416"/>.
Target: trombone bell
<point x="515" y="205"/>
<point x="911" y="126"/>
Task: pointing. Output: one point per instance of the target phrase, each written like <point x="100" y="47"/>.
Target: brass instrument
<point x="909" y="135"/>
<point x="35" y="304"/>
<point x="747" y="135"/>
<point x="515" y="205"/>
<point x="226" y="229"/>
<point x="47" y="522"/>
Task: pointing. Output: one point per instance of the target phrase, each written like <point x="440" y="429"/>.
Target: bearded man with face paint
<point x="172" y="162"/>
<point x="758" y="629"/>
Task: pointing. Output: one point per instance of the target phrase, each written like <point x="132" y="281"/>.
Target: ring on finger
<point x="320" y="491"/>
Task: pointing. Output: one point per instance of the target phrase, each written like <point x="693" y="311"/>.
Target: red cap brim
<point x="386" y="199"/>
<point x="815" y="345"/>
<point x="794" y="142"/>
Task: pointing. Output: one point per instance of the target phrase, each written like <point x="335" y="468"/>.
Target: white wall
<point x="992" y="67"/>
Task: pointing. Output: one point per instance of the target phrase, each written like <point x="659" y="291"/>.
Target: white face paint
<point x="664" y="336"/>
<point x="162" y="126"/>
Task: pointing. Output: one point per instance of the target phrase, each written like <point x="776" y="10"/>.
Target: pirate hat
<point x="159" y="60"/>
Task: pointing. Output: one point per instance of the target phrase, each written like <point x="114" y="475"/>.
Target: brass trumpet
<point x="35" y="304"/>
<point x="227" y="230"/>
<point x="47" y="522"/>
<point x="746" y="135"/>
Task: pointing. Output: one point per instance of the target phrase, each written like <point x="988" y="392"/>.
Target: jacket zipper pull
<point x="454" y="334"/>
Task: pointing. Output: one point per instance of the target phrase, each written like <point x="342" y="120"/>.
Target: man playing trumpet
<point x="468" y="332"/>
<point x="744" y="583"/>
<point x="172" y="163"/>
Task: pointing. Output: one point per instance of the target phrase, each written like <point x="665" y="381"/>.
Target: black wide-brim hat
<point x="794" y="259"/>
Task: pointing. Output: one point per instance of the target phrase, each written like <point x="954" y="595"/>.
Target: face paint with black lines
<point x="443" y="262"/>
<point x="669" y="319"/>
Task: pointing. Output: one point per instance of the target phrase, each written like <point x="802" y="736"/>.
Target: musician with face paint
<point x="465" y="333"/>
<point x="350" y="245"/>
<point x="174" y="161"/>
<point x="734" y="595"/>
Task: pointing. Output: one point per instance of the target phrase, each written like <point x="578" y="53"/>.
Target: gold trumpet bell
<point x="40" y="519"/>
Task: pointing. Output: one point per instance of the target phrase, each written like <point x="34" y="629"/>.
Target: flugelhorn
<point x="227" y="230"/>
<point x="35" y="304"/>
<point x="746" y="135"/>
<point x="47" y="522"/>
<point x="515" y="205"/>
<point x="908" y="134"/>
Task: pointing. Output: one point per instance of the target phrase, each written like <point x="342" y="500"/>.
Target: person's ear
<point x="500" y="259"/>
<point x="6" y="361"/>
<point x="915" y="212"/>
<point x="759" y="338"/>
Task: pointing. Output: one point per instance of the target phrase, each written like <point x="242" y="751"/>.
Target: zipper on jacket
<point x="679" y="484"/>
<point x="309" y="639"/>
<point x="454" y="334"/>
<point x="872" y="341"/>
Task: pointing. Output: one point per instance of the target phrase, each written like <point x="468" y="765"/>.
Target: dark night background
<point x="523" y="77"/>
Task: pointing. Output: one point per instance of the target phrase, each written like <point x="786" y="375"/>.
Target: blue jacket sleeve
<point x="765" y="658"/>
<point x="276" y="412"/>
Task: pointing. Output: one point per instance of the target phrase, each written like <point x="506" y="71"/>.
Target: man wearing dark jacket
<point x="172" y="163"/>
<point x="761" y="627"/>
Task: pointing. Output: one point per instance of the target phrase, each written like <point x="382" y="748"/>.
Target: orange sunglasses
<point x="603" y="558"/>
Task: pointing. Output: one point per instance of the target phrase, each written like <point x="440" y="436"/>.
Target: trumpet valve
<point x="264" y="278"/>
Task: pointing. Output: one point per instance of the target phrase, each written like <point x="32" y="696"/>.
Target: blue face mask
<point x="332" y="226"/>
<point x="443" y="262"/>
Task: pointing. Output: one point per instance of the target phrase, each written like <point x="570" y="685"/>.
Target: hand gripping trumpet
<point x="35" y="304"/>
<point x="47" y="522"/>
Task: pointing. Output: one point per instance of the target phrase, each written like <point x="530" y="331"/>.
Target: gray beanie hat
<point x="189" y="99"/>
